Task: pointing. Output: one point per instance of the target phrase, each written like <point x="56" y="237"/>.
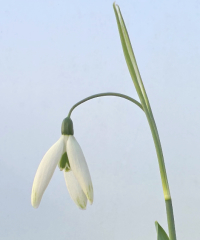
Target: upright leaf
<point x="137" y="80"/>
<point x="130" y="59"/>
<point x="161" y="234"/>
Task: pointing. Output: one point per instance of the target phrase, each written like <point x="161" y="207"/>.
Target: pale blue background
<point x="53" y="54"/>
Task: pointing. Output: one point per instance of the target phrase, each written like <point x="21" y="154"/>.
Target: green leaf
<point x="161" y="234"/>
<point x="133" y="68"/>
<point x="130" y="59"/>
<point x="132" y="65"/>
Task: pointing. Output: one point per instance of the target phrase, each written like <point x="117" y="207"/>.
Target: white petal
<point x="79" y="167"/>
<point x="46" y="170"/>
<point x="65" y="137"/>
<point x="75" y="190"/>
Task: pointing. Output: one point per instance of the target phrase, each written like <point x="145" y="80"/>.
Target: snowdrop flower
<point x="67" y="154"/>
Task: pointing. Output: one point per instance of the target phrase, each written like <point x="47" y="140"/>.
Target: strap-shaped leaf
<point x="161" y="234"/>
<point x="130" y="59"/>
<point x="137" y="80"/>
<point x="135" y="75"/>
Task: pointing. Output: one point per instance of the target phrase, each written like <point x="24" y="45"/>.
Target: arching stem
<point x="167" y="196"/>
<point x="103" y="95"/>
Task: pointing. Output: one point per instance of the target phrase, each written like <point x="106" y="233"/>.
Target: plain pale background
<point x="53" y="54"/>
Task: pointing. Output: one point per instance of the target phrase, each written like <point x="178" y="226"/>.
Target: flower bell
<point x="67" y="154"/>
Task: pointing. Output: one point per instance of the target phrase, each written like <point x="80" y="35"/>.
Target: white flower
<point x="68" y="154"/>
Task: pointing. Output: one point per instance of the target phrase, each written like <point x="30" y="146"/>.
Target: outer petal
<point x="75" y="190"/>
<point x="79" y="167"/>
<point x="46" y="170"/>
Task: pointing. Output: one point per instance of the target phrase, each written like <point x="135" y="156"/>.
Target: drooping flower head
<point x="68" y="155"/>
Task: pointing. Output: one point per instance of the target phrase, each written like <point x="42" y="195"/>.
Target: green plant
<point x="67" y="154"/>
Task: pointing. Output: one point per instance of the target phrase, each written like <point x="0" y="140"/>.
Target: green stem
<point x="135" y="74"/>
<point x="170" y="219"/>
<point x="103" y="95"/>
<point x="154" y="131"/>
